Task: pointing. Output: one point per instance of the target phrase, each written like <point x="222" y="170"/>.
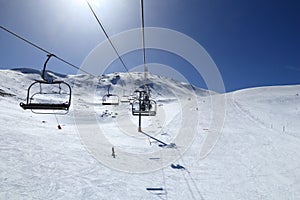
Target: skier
<point x="113" y="152"/>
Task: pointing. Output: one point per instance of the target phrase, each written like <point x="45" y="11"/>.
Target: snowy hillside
<point x="255" y="156"/>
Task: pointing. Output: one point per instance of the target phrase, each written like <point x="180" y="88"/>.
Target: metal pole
<point x="140" y="114"/>
<point x="45" y="64"/>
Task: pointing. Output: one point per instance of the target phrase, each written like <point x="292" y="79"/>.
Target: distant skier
<point x="113" y="152"/>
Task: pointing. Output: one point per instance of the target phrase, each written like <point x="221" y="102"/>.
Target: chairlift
<point x="44" y="96"/>
<point x="127" y="99"/>
<point x="110" y="99"/>
<point x="124" y="98"/>
<point x="143" y="105"/>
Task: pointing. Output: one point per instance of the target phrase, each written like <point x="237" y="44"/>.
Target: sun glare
<point x="95" y="3"/>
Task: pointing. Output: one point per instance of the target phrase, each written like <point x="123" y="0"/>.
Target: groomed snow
<point x="257" y="155"/>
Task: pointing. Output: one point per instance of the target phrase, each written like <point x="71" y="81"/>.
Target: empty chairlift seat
<point x="48" y="96"/>
<point x="43" y="96"/>
<point x="110" y="99"/>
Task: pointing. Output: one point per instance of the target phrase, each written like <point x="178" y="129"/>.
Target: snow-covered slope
<point x="256" y="157"/>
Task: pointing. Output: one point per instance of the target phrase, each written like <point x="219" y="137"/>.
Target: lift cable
<point x="143" y="40"/>
<point x="44" y="50"/>
<point x="108" y="38"/>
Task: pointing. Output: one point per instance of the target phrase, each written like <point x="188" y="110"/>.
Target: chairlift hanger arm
<point x="45" y="64"/>
<point x="108" y="88"/>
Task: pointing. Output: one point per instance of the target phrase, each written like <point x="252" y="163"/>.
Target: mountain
<point x="252" y="152"/>
<point x="35" y="71"/>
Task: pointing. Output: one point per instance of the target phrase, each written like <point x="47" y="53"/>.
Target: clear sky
<point x="252" y="42"/>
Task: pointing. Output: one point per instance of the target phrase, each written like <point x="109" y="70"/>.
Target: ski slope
<point x="255" y="156"/>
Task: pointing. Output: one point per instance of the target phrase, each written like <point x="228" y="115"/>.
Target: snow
<point x="255" y="156"/>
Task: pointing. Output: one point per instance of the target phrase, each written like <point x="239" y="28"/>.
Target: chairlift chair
<point x="125" y="99"/>
<point x="44" y="96"/>
<point x="143" y="105"/>
<point x="110" y="99"/>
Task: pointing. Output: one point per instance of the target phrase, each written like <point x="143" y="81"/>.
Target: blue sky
<point x="253" y="42"/>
